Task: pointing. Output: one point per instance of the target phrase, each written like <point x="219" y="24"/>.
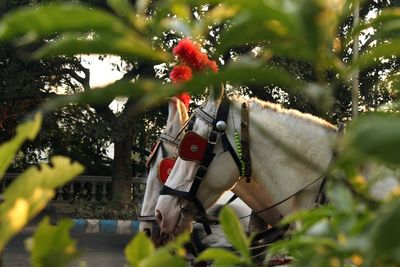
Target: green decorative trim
<point x="240" y="154"/>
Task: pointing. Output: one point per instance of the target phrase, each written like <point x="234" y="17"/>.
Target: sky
<point x="101" y="71"/>
<point x="102" y="74"/>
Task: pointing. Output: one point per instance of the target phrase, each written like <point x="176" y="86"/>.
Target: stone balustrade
<point x="87" y="187"/>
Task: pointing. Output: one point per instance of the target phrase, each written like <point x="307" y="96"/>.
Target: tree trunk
<point x="122" y="169"/>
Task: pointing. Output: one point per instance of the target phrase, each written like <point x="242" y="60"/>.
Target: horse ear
<point x="217" y="91"/>
<point x="176" y="111"/>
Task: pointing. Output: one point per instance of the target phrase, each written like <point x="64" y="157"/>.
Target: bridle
<point x="202" y="152"/>
<point x="194" y="147"/>
<point x="165" y="165"/>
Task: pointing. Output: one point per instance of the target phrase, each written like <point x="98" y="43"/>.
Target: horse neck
<point x="276" y="174"/>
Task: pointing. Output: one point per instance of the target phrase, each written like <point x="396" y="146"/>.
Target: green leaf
<point x="385" y="233"/>
<point x="387" y="24"/>
<point x="243" y="74"/>
<point x="122" y="7"/>
<point x="52" y="245"/>
<point x="138" y="249"/>
<point x="141" y="253"/>
<point x="234" y="232"/>
<point x="30" y="192"/>
<point x="219" y="256"/>
<point x="163" y="257"/>
<point x="141" y="5"/>
<point x="181" y="10"/>
<point x="220" y="13"/>
<point x="275" y="24"/>
<point x="375" y="135"/>
<point x="179" y="26"/>
<point x="57" y="18"/>
<point x="127" y="45"/>
<point x="108" y="33"/>
<point x="25" y="131"/>
<point x="373" y="56"/>
<point x="145" y="92"/>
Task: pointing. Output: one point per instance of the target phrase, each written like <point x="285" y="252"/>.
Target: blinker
<point x="192" y="147"/>
<point x="165" y="169"/>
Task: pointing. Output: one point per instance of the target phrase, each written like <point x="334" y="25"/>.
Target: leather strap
<point x="166" y="190"/>
<point x="222" y="115"/>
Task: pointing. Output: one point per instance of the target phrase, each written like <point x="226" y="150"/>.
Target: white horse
<point x="289" y="153"/>
<point x="177" y="116"/>
<point x="167" y="148"/>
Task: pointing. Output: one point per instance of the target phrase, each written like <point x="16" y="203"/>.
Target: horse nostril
<point x="147" y="231"/>
<point x="158" y="217"/>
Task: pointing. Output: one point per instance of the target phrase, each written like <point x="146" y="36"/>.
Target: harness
<point x="194" y="147"/>
<point x="166" y="164"/>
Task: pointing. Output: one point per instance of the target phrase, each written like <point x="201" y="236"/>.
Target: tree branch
<point x="84" y="81"/>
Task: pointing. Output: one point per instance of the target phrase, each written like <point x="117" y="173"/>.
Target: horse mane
<point x="265" y="106"/>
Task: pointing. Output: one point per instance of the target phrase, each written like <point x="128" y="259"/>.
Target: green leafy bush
<point x="104" y="210"/>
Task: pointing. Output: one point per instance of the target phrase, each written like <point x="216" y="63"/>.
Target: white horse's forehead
<point x="201" y="127"/>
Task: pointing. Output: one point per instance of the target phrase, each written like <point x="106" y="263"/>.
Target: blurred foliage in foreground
<point x="355" y="228"/>
<point x="29" y="194"/>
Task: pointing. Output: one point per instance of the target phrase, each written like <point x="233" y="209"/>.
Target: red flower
<point x="181" y="73"/>
<point x="185" y="98"/>
<point x="191" y="55"/>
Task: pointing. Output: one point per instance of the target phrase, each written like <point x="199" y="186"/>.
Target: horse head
<point x="181" y="201"/>
<point x="160" y="162"/>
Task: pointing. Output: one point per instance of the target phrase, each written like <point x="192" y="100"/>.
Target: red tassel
<point x="191" y="55"/>
<point x="185" y="98"/>
<point x="181" y="73"/>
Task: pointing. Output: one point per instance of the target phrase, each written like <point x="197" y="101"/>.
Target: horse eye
<point x="187" y="213"/>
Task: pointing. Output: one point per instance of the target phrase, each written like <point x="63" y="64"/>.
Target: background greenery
<point x="297" y="53"/>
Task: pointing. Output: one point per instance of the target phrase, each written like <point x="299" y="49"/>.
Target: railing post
<point x="103" y="191"/>
<point x="70" y="190"/>
<point x="93" y="191"/>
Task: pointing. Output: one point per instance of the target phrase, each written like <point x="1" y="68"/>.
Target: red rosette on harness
<point x="192" y="147"/>
<point x="165" y="169"/>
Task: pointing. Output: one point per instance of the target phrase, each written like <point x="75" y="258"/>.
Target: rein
<point x="293" y="195"/>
